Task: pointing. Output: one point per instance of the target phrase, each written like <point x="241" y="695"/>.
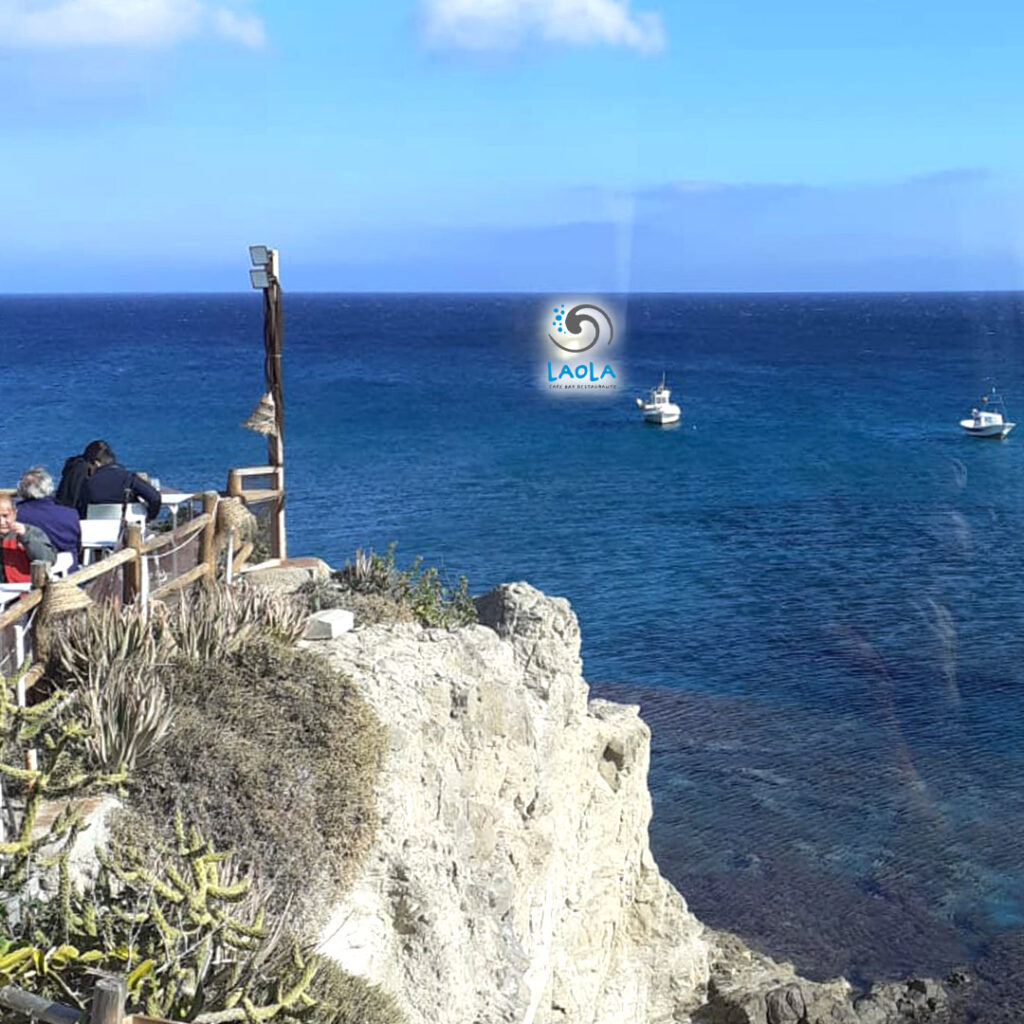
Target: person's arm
<point x="37" y="545"/>
<point x="147" y="493"/>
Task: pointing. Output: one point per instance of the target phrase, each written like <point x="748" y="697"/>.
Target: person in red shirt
<point x="20" y="545"/>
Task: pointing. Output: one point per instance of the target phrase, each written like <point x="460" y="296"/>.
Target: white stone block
<point x="328" y="624"/>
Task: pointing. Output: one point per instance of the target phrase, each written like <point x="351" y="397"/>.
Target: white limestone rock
<point x="511" y="879"/>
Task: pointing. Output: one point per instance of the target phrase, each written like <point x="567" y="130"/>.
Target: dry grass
<point x="273" y="753"/>
<point x="344" y="999"/>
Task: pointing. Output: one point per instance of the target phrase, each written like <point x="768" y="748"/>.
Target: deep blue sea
<point x="812" y="585"/>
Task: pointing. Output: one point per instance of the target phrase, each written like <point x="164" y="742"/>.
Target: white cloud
<point x="246" y="29"/>
<point x="43" y="24"/>
<point x="505" y="24"/>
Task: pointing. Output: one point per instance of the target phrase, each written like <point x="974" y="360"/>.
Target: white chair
<point x="99" y="535"/>
<point x="133" y="512"/>
<point x="61" y="565"/>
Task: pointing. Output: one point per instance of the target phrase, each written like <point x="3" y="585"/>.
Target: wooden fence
<point x="154" y="568"/>
<point x="107" y="1006"/>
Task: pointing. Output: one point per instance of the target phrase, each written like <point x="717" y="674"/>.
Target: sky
<point x="512" y="145"/>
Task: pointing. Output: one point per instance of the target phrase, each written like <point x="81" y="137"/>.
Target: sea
<point x="811" y="585"/>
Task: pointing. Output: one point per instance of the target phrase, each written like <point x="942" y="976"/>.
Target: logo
<point x="586" y="328"/>
<point x="570" y="325"/>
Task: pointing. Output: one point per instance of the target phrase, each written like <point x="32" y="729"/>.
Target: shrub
<point x="432" y="602"/>
<point x="367" y="609"/>
<point x="345" y="999"/>
<point x="190" y="936"/>
<point x="275" y="753"/>
<point x="370" y="573"/>
<point x="267" y="750"/>
<point x="375" y="590"/>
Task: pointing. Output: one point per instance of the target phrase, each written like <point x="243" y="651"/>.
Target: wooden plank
<point x="40" y="574"/>
<point x="253" y="471"/>
<point x="20" y="607"/>
<point x="182" y="533"/>
<point x="182" y="581"/>
<point x="105" y="565"/>
<point x="256" y="496"/>
<point x="37" y="1008"/>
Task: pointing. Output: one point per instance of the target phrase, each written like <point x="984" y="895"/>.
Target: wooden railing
<point x="152" y="569"/>
<point x="107" y="1005"/>
<point x="273" y="495"/>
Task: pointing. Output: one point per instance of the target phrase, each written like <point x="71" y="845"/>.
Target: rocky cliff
<point x="511" y="878"/>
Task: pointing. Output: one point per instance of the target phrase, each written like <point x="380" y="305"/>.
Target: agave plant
<point x="203" y="624"/>
<point x="264" y="612"/>
<point x="128" y="712"/>
<point x="209" y="624"/>
<point x="370" y="573"/>
<point x="105" y="636"/>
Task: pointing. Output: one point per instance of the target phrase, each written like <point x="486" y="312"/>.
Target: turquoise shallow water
<point x="812" y="584"/>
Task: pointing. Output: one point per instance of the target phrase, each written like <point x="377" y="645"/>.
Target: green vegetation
<point x="192" y="940"/>
<point x="375" y="590"/>
<point x="247" y="768"/>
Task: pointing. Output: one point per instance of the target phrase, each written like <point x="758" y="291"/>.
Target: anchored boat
<point x="988" y="419"/>
<point x="659" y="407"/>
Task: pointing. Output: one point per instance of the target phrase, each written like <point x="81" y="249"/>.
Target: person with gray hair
<point x="37" y="507"/>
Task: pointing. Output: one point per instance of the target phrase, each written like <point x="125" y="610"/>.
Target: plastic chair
<point x="133" y="512"/>
<point x="61" y="566"/>
<point x="99" y="535"/>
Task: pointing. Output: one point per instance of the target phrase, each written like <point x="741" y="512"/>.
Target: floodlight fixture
<point x="260" y="255"/>
<point x="259" y="278"/>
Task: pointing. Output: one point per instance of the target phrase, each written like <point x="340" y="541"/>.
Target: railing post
<point x="234" y="483"/>
<point x="208" y="543"/>
<point x="40" y="573"/>
<point x="278" y="537"/>
<point x="133" y="569"/>
<point x="108" y="1001"/>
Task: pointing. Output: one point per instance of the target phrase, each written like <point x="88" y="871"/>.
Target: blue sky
<point x="548" y="145"/>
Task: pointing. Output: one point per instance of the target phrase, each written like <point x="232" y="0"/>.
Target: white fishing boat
<point x="988" y="420"/>
<point x="659" y="407"/>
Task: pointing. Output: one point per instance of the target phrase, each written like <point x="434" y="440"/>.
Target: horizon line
<point x="519" y="292"/>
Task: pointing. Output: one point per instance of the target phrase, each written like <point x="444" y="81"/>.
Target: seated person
<point x="76" y="471"/>
<point x="37" y="507"/>
<point x="20" y="546"/>
<point x="111" y="484"/>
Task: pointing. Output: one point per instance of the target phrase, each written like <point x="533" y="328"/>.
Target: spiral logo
<point x="581" y="328"/>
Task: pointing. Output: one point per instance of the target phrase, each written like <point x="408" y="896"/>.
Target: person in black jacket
<point x="111" y="484"/>
<point x="76" y="471"/>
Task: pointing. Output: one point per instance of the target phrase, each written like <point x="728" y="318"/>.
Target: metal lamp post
<point x="264" y="276"/>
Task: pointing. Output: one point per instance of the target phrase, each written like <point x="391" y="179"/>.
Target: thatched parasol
<point x="263" y="418"/>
